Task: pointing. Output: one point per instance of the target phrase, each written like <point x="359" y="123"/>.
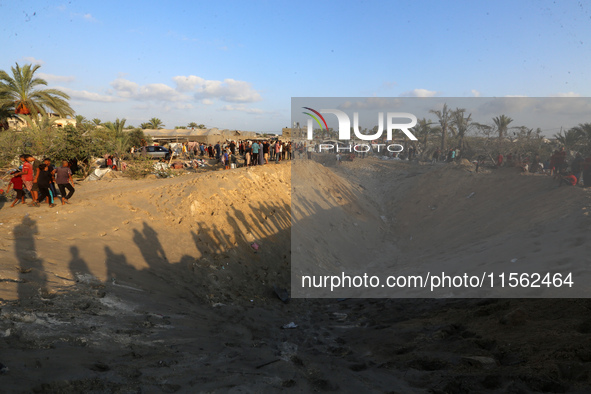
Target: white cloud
<point x="124" y="88"/>
<point x="159" y="91"/>
<point x="50" y="78"/>
<point x="184" y="106"/>
<point x="31" y="59"/>
<point x="371" y="103"/>
<point x="89" y="96"/>
<point x="206" y="101"/>
<point x="155" y="91"/>
<point x="229" y="89"/>
<point x="87" y="17"/>
<point x="186" y="84"/>
<point x="242" y="108"/>
<point x="419" y="93"/>
<point x="567" y="94"/>
<point x="475" y="93"/>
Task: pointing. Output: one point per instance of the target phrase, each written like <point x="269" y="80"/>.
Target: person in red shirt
<point x="500" y="160"/>
<point x="17" y="184"/>
<point x="568" y="179"/>
<point x="27" y="174"/>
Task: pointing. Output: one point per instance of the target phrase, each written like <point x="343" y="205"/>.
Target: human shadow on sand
<point x="32" y="277"/>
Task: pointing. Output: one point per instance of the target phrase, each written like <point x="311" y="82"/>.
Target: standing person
<point x="553" y="159"/>
<point x="17" y="184"/>
<point x="63" y="177"/>
<point x="499" y="160"/>
<point x="43" y="179"/>
<point x="310" y="150"/>
<point x="35" y="188"/>
<point x="247" y="154"/>
<point x="435" y="156"/>
<point x="272" y="151"/>
<point x="218" y="150"/>
<point x="576" y="166"/>
<point x="266" y="151"/>
<point x="261" y="158"/>
<point x="255" y="153"/>
<point x="227" y="159"/>
<point x="51" y="169"/>
<point x="27" y="173"/>
<point x="277" y="151"/>
<point x="561" y="160"/>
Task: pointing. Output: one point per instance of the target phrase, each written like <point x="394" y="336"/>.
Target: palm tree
<point x="192" y="125"/>
<point x="6" y="112"/>
<point x="571" y="137"/>
<point x="502" y="123"/>
<point x="444" y="117"/>
<point x="585" y="130"/>
<point x="117" y="127"/>
<point x="121" y="137"/>
<point x="155" y="123"/>
<point x="97" y="121"/>
<point x="21" y="93"/>
<point x="423" y="130"/>
<point x="461" y="124"/>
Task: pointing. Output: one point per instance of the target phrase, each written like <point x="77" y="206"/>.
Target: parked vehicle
<point x="155" y="152"/>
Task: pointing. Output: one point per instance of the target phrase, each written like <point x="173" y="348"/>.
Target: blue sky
<point x="236" y="64"/>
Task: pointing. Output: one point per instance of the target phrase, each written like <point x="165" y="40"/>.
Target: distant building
<point x="207" y="136"/>
<point x="286" y="133"/>
<point x="19" y="123"/>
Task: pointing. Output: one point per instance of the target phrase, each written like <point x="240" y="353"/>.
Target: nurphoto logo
<point x="345" y="129"/>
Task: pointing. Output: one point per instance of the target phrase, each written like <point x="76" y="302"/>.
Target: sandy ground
<point x="154" y="286"/>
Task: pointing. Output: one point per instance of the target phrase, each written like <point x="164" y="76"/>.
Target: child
<point x="63" y="177"/>
<point x="17" y="184"/>
<point x="43" y="181"/>
<point x="226" y="160"/>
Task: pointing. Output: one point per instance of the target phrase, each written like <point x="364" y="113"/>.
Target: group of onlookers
<point x="557" y="166"/>
<point x="253" y="152"/>
<point x="38" y="179"/>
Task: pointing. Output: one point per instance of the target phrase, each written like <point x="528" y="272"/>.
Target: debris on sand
<point x="281" y="293"/>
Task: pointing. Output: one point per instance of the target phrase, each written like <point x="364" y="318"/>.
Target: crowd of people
<point x="572" y="173"/>
<point x="231" y="152"/>
<point x="38" y="179"/>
